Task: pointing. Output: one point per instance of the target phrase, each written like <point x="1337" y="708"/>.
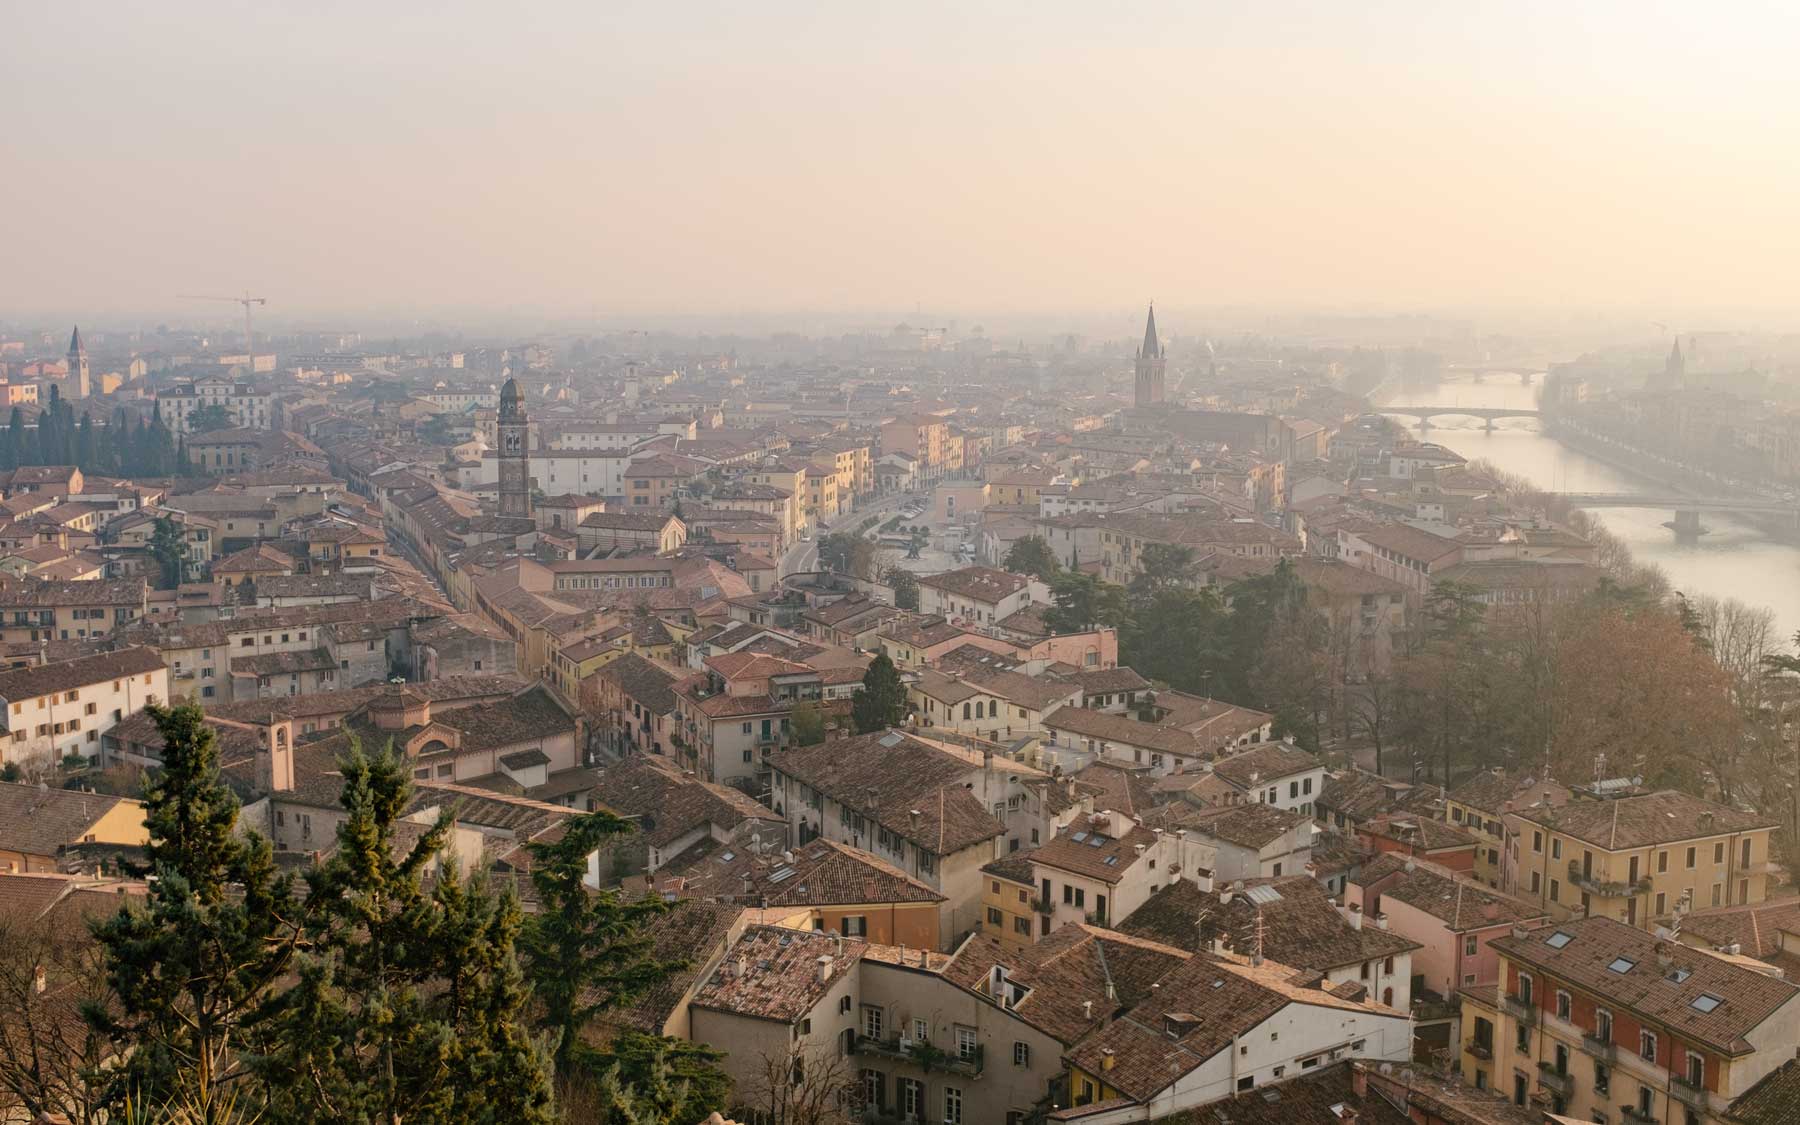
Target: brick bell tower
<point x="1151" y="360"/>
<point x="515" y="453"/>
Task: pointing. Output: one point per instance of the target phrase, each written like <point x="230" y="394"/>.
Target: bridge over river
<point x="1687" y="509"/>
<point x="1425" y="414"/>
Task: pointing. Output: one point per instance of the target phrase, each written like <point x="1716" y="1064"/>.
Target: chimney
<point x="1106" y="1058"/>
<point x="1663" y="958"/>
<point x="39" y="980"/>
<point x="1359" y="1080"/>
<point x="1225" y="897"/>
<point x="1381" y="921"/>
<point x="742" y="968"/>
<point x="825" y="964"/>
<point x="1356" y="916"/>
<point x="1410" y="865"/>
<point x="1087" y="1009"/>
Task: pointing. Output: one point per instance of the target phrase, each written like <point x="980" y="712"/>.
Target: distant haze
<point x="704" y="158"/>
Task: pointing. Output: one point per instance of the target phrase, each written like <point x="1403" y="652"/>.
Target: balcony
<point x="1689" y="1094"/>
<point x="1557" y="1082"/>
<point x="922" y="1055"/>
<point x="1599" y="1048"/>
<point x="1595" y="885"/>
<point x="1042" y="906"/>
<point x="1632" y="1115"/>
<point x="1482" y="1051"/>
<point x="1519" y="1008"/>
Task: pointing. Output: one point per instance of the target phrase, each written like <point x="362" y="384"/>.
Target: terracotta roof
<point x="644" y="680"/>
<point x="910" y="788"/>
<point x="1490" y="790"/>
<point x="1360" y="795"/>
<point x="669" y="804"/>
<point x="1461" y="904"/>
<point x="978" y="583"/>
<point x="779" y="977"/>
<point x="33" y="594"/>
<point x="1420" y="832"/>
<point x="1118" y="787"/>
<point x="1250" y="825"/>
<point x="1300" y="924"/>
<point x="1265" y="764"/>
<point x="693" y="933"/>
<point x="42" y="821"/>
<point x="45" y="679"/>
<point x="1086" y="848"/>
<point x="1068" y="974"/>
<point x="820" y="873"/>
<point x="1108" y="681"/>
<point x="1756" y="929"/>
<point x="1773" y="1101"/>
<point x="1664" y="994"/>
<point x="1213" y="999"/>
<point x="1654" y="818"/>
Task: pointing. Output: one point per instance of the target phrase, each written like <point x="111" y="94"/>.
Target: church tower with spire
<point x="1674" y="373"/>
<point x="513" y="430"/>
<point x="78" y="381"/>
<point x="1151" y="361"/>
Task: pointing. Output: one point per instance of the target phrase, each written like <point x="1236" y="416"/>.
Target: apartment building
<point x="35" y="610"/>
<point x="54" y="710"/>
<point x="1636" y="858"/>
<point x="247" y="407"/>
<point x="1605" y="1022"/>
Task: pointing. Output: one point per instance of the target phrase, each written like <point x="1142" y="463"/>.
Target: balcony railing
<point x="1599" y="1048"/>
<point x="923" y="1055"/>
<point x="1557" y="1082"/>
<point x="1632" y="1115"/>
<point x="1595" y="885"/>
<point x="1482" y="1051"/>
<point x="1519" y="1008"/>
<point x="1042" y="906"/>
<point x="1687" y="1093"/>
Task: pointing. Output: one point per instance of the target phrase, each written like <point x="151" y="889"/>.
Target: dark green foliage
<point x="169" y="550"/>
<point x="209" y="418"/>
<point x="192" y="965"/>
<point x="410" y="1004"/>
<point x="1031" y="555"/>
<point x="881" y="701"/>
<point x="807" y="724"/>
<point x="905" y="585"/>
<point x="587" y="951"/>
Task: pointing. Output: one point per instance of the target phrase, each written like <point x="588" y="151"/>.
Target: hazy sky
<point x="768" y="156"/>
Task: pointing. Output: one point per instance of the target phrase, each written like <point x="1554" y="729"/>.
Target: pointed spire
<point x="1152" y="348"/>
<point x="75" y="347"/>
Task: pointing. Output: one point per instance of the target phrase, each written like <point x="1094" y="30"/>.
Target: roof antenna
<point x="1256" y="958"/>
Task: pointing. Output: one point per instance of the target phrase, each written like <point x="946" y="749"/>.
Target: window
<point x="1022" y="926"/>
<point x="911" y="1096"/>
<point x="1021" y="1054"/>
<point x="994" y="916"/>
<point x="1555" y="891"/>
<point x="1469" y="946"/>
<point x="871" y="1021"/>
<point x="1248" y="1082"/>
<point x="1603" y="1025"/>
<point x="1525" y="987"/>
<point x="1696" y="1070"/>
<point x="921" y="1031"/>
<point x="1555" y="849"/>
<point x="1602" y="1079"/>
<point x="1705" y="1002"/>
<point x="1719" y="852"/>
<point x="1564" y="1005"/>
<point x="1537" y="841"/>
<point x="1662" y="864"/>
<point x="1647" y="1045"/>
<point x="1715" y="897"/>
<point x="1690" y="859"/>
<point x="872" y="1083"/>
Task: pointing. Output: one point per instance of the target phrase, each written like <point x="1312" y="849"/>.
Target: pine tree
<point x="192" y="965"/>
<point x="85" y="452"/>
<point x="881" y="701"/>
<point x="409" y="1006"/>
<point x="587" y="951"/>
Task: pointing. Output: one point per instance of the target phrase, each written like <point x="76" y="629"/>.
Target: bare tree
<point x="50" y="1058"/>
<point x="802" y="1087"/>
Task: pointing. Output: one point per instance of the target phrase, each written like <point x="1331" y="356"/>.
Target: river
<point x="1734" y="559"/>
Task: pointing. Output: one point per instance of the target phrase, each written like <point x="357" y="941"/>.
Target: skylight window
<point x="1096" y="841"/>
<point x="728" y="857"/>
<point x="1705" y="1002"/>
<point x="1079" y="837"/>
<point x="1559" y="939"/>
<point x="1622" y="965"/>
<point x="783" y="873"/>
<point x="1679" y="975"/>
<point x="1112" y="861"/>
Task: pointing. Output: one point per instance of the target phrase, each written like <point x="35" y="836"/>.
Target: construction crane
<point x="246" y="300"/>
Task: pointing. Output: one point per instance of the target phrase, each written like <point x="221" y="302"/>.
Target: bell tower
<point x="513" y="431"/>
<point x="78" y="379"/>
<point x="1151" y="360"/>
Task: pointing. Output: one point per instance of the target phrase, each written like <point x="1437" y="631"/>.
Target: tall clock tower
<point x="515" y="453"/>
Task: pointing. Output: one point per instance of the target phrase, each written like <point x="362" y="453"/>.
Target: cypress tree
<point x="409" y="1005"/>
<point x="191" y="966"/>
<point x="880" y="702"/>
<point x="84" y="445"/>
